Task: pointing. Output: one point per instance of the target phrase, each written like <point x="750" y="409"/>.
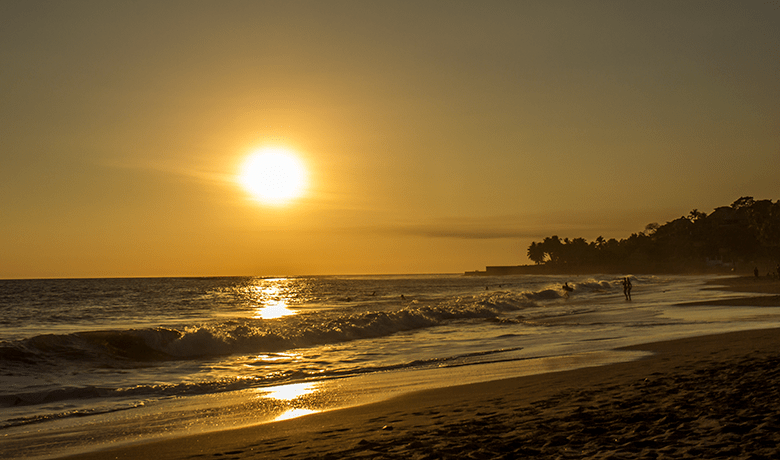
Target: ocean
<point x="87" y="364"/>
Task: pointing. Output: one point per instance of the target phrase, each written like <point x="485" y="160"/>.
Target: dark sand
<point x="708" y="397"/>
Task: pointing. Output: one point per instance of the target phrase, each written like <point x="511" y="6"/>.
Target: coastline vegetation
<point x="741" y="237"/>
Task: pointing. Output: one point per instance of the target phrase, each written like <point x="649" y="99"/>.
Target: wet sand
<point x="707" y="397"/>
<point x="761" y="284"/>
<point x="747" y="284"/>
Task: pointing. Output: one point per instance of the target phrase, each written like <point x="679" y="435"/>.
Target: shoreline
<point x="769" y="287"/>
<point x="758" y="285"/>
<point x="715" y="395"/>
<point x="708" y="396"/>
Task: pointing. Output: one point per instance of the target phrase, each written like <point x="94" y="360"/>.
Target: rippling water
<point x="106" y="356"/>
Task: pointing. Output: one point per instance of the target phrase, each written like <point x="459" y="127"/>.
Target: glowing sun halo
<point x="273" y="176"/>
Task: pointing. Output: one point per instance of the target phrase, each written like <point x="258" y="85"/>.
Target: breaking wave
<point x="139" y="347"/>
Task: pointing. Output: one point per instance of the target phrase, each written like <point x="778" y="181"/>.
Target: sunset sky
<point x="437" y="136"/>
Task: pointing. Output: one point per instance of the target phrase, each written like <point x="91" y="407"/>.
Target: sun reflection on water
<point x="272" y="300"/>
<point x="273" y="310"/>
<point x="277" y="357"/>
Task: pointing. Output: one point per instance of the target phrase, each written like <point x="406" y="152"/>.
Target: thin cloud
<point x="491" y="228"/>
<point x="174" y="168"/>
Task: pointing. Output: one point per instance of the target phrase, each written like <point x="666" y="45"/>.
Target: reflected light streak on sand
<point x="288" y="392"/>
<point x="293" y="413"/>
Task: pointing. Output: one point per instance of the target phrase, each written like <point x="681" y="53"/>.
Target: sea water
<point x="92" y="363"/>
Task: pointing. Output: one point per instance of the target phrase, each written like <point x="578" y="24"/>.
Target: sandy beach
<point x="716" y="396"/>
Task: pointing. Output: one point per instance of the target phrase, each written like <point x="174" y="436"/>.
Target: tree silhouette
<point x="746" y="232"/>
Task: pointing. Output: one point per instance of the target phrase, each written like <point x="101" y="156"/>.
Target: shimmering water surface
<point x="90" y="363"/>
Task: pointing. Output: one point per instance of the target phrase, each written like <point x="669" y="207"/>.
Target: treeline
<point x="742" y="235"/>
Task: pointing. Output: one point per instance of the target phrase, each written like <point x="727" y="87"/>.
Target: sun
<point x="273" y="176"/>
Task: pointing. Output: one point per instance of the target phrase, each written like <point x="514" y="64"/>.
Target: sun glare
<point x="273" y="176"/>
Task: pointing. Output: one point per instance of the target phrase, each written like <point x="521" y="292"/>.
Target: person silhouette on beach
<point x="627" y="287"/>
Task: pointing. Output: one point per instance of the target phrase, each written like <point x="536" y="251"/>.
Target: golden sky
<point x="437" y="136"/>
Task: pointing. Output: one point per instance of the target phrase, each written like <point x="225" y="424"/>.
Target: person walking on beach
<point x="627" y="287"/>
